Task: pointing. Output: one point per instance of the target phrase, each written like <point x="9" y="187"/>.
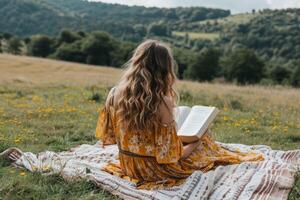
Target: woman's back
<point x="155" y="143"/>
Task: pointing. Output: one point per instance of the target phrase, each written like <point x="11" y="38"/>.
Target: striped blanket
<point x="269" y="179"/>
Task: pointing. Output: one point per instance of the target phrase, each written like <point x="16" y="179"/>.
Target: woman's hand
<point x="188" y="149"/>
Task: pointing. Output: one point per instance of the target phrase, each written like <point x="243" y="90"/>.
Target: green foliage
<point x="122" y="53"/>
<point x="40" y="46"/>
<point x="14" y="46"/>
<point x="70" y="52"/>
<point x="267" y="82"/>
<point x="295" y="79"/>
<point x="99" y="47"/>
<point x="243" y="66"/>
<point x="183" y="58"/>
<point x="6" y="36"/>
<point x="140" y="29"/>
<point x="279" y="74"/>
<point x="158" y="29"/>
<point x="205" y="67"/>
<point x="272" y="34"/>
<point x="52" y="16"/>
<point x="67" y="36"/>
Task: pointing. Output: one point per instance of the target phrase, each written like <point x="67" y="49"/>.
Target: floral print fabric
<point x="161" y="165"/>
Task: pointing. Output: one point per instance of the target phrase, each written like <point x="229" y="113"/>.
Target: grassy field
<point x="242" y="18"/>
<point x="52" y="105"/>
<point x="197" y="35"/>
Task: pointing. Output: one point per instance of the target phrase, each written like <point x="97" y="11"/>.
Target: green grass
<point x="58" y="117"/>
<point x="47" y="118"/>
<point x="52" y="105"/>
<point x="36" y="186"/>
<point x="198" y="35"/>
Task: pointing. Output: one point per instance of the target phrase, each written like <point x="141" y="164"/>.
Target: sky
<point x="236" y="6"/>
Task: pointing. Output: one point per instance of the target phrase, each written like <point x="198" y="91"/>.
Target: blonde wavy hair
<point x="149" y="77"/>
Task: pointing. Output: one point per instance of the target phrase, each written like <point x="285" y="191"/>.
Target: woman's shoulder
<point x="112" y="96"/>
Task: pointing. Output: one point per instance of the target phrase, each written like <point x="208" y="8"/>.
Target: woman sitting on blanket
<point x="138" y="118"/>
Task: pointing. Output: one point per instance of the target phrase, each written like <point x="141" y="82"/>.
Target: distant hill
<point x="28" y="17"/>
<point x="273" y="34"/>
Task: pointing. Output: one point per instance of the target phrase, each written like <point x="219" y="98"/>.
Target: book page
<point x="180" y="114"/>
<point x="197" y="121"/>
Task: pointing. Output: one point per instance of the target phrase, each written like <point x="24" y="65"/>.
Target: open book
<point x="193" y="122"/>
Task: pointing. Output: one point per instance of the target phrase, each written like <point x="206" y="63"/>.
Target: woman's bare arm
<point x="189" y="148"/>
<point x="166" y="111"/>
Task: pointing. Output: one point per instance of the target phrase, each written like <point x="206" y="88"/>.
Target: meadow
<point x="197" y="35"/>
<point x="241" y="18"/>
<point x="53" y="105"/>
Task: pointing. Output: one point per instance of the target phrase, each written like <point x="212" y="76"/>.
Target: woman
<point x="138" y="117"/>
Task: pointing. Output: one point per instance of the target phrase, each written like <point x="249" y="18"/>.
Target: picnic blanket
<point x="269" y="179"/>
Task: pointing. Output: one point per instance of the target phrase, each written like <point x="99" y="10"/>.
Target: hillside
<point x="36" y="71"/>
<point x="28" y="17"/>
<point x="272" y="34"/>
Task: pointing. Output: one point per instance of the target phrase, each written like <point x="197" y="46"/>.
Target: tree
<point x="243" y="66"/>
<point x="7" y="36"/>
<point x="158" y="29"/>
<point x="70" y="52"/>
<point x="67" y="37"/>
<point x="40" y="46"/>
<point x="81" y="33"/>
<point x="27" y="40"/>
<point x="183" y="58"/>
<point x="99" y="47"/>
<point x="140" y="29"/>
<point x="295" y="78"/>
<point x="205" y="67"/>
<point x="1" y="37"/>
<point x="199" y="15"/>
<point x="279" y="74"/>
<point x="14" y="45"/>
<point x="122" y="54"/>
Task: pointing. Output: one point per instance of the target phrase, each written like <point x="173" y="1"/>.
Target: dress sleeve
<point x="169" y="148"/>
<point x="104" y="129"/>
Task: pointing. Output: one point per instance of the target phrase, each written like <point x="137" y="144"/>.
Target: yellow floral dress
<point x="153" y="159"/>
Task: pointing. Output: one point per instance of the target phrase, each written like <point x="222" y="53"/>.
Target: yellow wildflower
<point x="22" y="174"/>
<point x="225" y="118"/>
<point x="17" y="141"/>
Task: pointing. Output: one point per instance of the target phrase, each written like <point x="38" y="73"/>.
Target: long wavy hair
<point x="149" y="77"/>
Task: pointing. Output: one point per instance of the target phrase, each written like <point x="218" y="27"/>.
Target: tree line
<point x="241" y="66"/>
<point x="97" y="48"/>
